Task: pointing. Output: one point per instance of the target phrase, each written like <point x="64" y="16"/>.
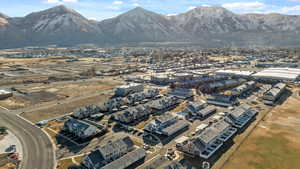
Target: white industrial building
<point x="5" y="94"/>
<point x="234" y="73"/>
<point x="278" y="74"/>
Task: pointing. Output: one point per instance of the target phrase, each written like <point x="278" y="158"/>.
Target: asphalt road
<point x="38" y="151"/>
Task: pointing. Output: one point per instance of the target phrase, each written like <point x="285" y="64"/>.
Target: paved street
<point x="38" y="152"/>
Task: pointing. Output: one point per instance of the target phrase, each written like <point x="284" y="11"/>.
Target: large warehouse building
<point x="278" y="74"/>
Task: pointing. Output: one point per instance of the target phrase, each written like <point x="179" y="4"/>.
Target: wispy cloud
<point x="118" y="2"/>
<point x="136" y="4"/>
<point x="246" y="6"/>
<point x="60" y="1"/>
<point x="113" y="7"/>
<point x="290" y="9"/>
<point x="53" y="1"/>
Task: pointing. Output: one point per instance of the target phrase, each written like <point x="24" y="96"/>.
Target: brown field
<point x="60" y="109"/>
<point x="39" y="94"/>
<point x="275" y="143"/>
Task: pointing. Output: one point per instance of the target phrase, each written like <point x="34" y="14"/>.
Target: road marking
<point x="26" y="120"/>
<point x="4" y="108"/>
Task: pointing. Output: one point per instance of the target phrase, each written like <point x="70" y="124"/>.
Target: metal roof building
<point x="234" y="73"/>
<point x="278" y="74"/>
<point x="5" y="94"/>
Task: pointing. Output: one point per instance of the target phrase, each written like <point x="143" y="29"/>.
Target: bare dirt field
<point x="275" y="143"/>
<point x="37" y="94"/>
<point x="60" y="109"/>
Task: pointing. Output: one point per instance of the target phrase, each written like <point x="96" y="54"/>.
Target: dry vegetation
<point x="60" y="109"/>
<point x="275" y="143"/>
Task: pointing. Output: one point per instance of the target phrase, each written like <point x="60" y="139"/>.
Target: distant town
<point x="86" y="107"/>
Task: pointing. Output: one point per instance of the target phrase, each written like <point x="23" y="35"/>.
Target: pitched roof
<point x="126" y="160"/>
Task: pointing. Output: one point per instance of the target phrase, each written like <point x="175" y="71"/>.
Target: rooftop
<point x="235" y="72"/>
<point x="284" y="73"/>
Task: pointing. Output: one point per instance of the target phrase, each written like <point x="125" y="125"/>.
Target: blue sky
<point x="102" y="9"/>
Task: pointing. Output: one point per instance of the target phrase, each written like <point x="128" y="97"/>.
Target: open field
<point x="38" y="94"/>
<point x="275" y="143"/>
<point x="60" y="109"/>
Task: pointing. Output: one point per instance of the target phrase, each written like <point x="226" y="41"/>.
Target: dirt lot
<point x="60" y="109"/>
<point x="38" y="94"/>
<point x="275" y="143"/>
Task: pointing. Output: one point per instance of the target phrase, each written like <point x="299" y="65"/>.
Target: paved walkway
<point x="8" y="140"/>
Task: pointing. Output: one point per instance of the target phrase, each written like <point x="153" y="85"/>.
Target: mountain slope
<point x="140" y="25"/>
<point x="209" y="20"/>
<point x="206" y="26"/>
<point x="219" y="26"/>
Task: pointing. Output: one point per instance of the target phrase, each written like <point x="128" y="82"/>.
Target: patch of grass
<point x="275" y="152"/>
<point x="65" y="164"/>
<point x="137" y="143"/>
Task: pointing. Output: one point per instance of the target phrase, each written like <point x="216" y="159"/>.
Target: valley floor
<point x="275" y="142"/>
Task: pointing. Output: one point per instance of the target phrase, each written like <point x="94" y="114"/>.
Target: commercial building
<point x="220" y="85"/>
<point x="166" y="125"/>
<point x="235" y="73"/>
<point x="278" y="74"/>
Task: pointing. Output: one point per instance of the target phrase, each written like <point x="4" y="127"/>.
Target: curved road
<point x="38" y="151"/>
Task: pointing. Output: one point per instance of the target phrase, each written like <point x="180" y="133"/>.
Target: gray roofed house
<point x="126" y="160"/>
<point x="132" y="113"/>
<point x="181" y="93"/>
<point x="80" y="128"/>
<point x="222" y="100"/>
<point x="241" y="115"/>
<point x="194" y="107"/>
<point x="86" y="111"/>
<point x="108" y="153"/>
<point x="128" y="89"/>
<point x="163" y="103"/>
<point x="273" y="94"/>
<point x="206" y="111"/>
<point x="166" y="124"/>
<point x="115" y="103"/>
<point x="243" y="88"/>
<point x="175" y="165"/>
<point x="207" y="142"/>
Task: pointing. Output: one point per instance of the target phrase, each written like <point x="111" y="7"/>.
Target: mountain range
<point x="205" y="26"/>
